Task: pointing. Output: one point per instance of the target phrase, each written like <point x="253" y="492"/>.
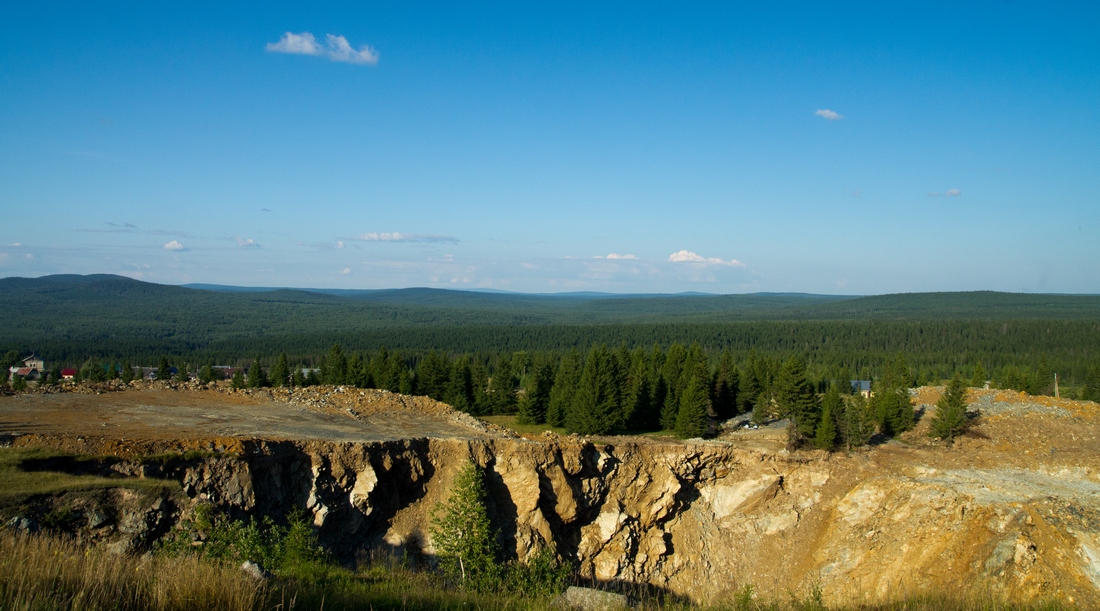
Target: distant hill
<point x="121" y="315"/>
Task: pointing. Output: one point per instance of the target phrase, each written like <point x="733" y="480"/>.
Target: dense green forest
<point x="1020" y="340"/>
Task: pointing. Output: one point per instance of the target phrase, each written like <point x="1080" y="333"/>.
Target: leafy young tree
<point x="462" y="536"/>
<point x="18" y="382"/>
<point x="950" y="419"/>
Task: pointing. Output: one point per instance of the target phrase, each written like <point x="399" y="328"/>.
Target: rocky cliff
<point x="1014" y="509"/>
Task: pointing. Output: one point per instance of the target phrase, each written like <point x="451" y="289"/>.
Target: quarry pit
<point x="1012" y="509"/>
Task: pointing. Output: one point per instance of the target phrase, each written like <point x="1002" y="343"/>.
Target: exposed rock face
<point x="1014" y="509"/>
<point x="699" y="520"/>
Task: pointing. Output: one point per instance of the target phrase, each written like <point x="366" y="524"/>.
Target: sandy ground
<point x="164" y="413"/>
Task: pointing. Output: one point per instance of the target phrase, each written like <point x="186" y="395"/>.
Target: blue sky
<point x="851" y="148"/>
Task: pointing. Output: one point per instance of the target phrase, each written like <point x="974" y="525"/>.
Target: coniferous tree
<point x="256" y="376"/>
<point x="296" y="378"/>
<point x="164" y="372"/>
<point x="858" y="421"/>
<point x="280" y="371"/>
<point x="536" y="398"/>
<point x="206" y="374"/>
<point x="18" y="383"/>
<point x="831" y="406"/>
<point x="502" y="388"/>
<point x="564" y="388"/>
<point x="127" y="374"/>
<point x="748" y="385"/>
<point x="238" y="379"/>
<point x="359" y="372"/>
<point x="596" y="408"/>
<point x="893" y="408"/>
<point x="979" y="377"/>
<point x="334" y="367"/>
<point x="182" y="374"/>
<point x="432" y="376"/>
<point x="460" y="387"/>
<point x="796" y="400"/>
<point x="691" y="419"/>
<point x="112" y="371"/>
<point x="313" y="378"/>
<point x="950" y="419"/>
<point x="1091" y="389"/>
<point x="726" y="382"/>
<point x="641" y="415"/>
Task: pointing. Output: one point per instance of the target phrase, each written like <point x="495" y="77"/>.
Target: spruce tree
<point x="892" y="406"/>
<point x="536" y="399"/>
<point x="502" y="388"/>
<point x="726" y="383"/>
<point x="1091" y="389"/>
<point x="596" y="408"/>
<point x="256" y="376"/>
<point x="181" y="373"/>
<point x="206" y="374"/>
<point x="280" y="372"/>
<point x="796" y="400"/>
<point x="164" y="372"/>
<point x="691" y="419"/>
<point x="432" y="376"/>
<point x="950" y="419"/>
<point x="640" y="415"/>
<point x="564" y="389"/>
<point x="979" y="377"/>
<point x="127" y="374"/>
<point x="462" y="535"/>
<point x="826" y="435"/>
<point x="238" y="379"/>
<point x="334" y="367"/>
<point x="858" y="421"/>
<point x="112" y="371"/>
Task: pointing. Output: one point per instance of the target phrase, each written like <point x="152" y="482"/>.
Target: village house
<point x="32" y="368"/>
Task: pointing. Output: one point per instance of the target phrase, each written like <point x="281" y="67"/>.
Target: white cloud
<point x="174" y="245"/>
<point x="249" y="243"/>
<point x="346" y="271"/>
<point x="952" y="193"/>
<point x="831" y="115"/>
<point x="339" y="243"/>
<point x="686" y="256"/>
<point x="339" y="50"/>
<point x="16" y="244"/>
<point x="404" y="237"/>
<point x="296" y="44"/>
<point x="618" y="256"/>
<point x="336" y="48"/>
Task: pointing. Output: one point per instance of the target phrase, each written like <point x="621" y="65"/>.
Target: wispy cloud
<point x="947" y="193"/>
<point x="296" y="44"/>
<point x="831" y="115"/>
<point x="686" y="256"/>
<point x="405" y="237"/>
<point x="247" y="243"/>
<point x="618" y="256"/>
<point x="174" y="245"/>
<point x="346" y="271"/>
<point x="339" y="243"/>
<point x="16" y="244"/>
<point x="336" y="48"/>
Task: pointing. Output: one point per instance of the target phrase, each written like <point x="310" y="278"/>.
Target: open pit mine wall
<point x="695" y="520"/>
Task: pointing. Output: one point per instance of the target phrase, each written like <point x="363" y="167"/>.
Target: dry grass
<point x="15" y="482"/>
<point x="50" y="573"/>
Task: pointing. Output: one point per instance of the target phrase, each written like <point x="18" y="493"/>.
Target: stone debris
<point x="589" y="599"/>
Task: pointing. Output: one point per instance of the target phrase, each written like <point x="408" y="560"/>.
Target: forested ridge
<point x="71" y="319"/>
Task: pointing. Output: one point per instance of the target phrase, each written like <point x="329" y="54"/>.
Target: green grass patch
<point x="18" y="482"/>
<point x="529" y="429"/>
